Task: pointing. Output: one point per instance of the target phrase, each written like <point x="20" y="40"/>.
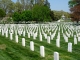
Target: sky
<point x="58" y="5"/>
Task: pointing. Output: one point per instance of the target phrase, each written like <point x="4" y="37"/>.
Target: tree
<point x="6" y="5"/>
<point x="41" y="13"/>
<point x="2" y="13"/>
<point x="23" y="16"/>
<point x="72" y="3"/>
<point x="47" y="3"/>
<point x="18" y="7"/>
<point x="26" y="4"/>
<point x="16" y="17"/>
<point x="26" y="15"/>
<point x="28" y="10"/>
<point x="52" y="15"/>
<point x="58" y="14"/>
<point x="75" y="10"/>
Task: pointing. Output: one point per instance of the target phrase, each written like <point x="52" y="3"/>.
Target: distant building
<point x="63" y="17"/>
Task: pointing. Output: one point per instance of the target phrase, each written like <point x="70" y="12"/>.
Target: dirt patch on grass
<point x="2" y="46"/>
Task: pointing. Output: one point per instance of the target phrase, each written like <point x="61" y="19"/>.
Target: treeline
<point x="38" y="13"/>
<point x="29" y="10"/>
<point x="20" y="5"/>
<point x="58" y="14"/>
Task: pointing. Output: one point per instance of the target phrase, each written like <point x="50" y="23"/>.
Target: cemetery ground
<point x="12" y="50"/>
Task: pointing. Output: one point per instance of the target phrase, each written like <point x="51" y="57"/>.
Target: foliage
<point x="26" y="15"/>
<point x="38" y="13"/>
<point x="21" y="10"/>
<point x="71" y="3"/>
<point x="2" y="13"/>
<point x="9" y="19"/>
<point x="75" y="10"/>
<point x="16" y="16"/>
<point x="58" y="14"/>
<point x="52" y="15"/>
<point x="7" y="6"/>
<point x="17" y="7"/>
<point x="41" y="13"/>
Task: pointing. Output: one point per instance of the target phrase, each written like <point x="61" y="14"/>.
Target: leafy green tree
<point x="26" y="15"/>
<point x="28" y="10"/>
<point x="16" y="17"/>
<point x="72" y="3"/>
<point x="41" y="13"/>
<point x="23" y="16"/>
<point x="2" y="13"/>
<point x="52" y="15"/>
<point x="47" y="3"/>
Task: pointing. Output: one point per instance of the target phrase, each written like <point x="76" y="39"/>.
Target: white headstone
<point x="11" y="36"/>
<point x="23" y="41"/>
<point x="79" y="39"/>
<point x="15" y="32"/>
<point x="66" y="39"/>
<point x="58" y="42"/>
<point x="45" y="35"/>
<point x="58" y="37"/>
<point x="34" y="36"/>
<point x="24" y="33"/>
<point x="16" y="38"/>
<point x="6" y="33"/>
<point x="48" y="39"/>
<point x="42" y="51"/>
<point x="56" y="56"/>
<point x="2" y="32"/>
<point x="50" y="33"/>
<point x="32" y="45"/>
<point x="52" y="36"/>
<point x="40" y="37"/>
<point x="75" y="39"/>
<point x="69" y="47"/>
<point x="28" y="35"/>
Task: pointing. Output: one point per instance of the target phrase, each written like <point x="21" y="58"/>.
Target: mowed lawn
<point x="10" y="50"/>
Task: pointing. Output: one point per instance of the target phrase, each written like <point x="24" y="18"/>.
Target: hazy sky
<point x="58" y="5"/>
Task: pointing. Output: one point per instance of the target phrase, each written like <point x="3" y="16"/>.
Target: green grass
<point x="15" y="51"/>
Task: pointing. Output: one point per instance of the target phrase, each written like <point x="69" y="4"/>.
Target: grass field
<point x="10" y="50"/>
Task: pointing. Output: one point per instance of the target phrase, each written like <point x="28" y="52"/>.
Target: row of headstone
<point x="48" y="38"/>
